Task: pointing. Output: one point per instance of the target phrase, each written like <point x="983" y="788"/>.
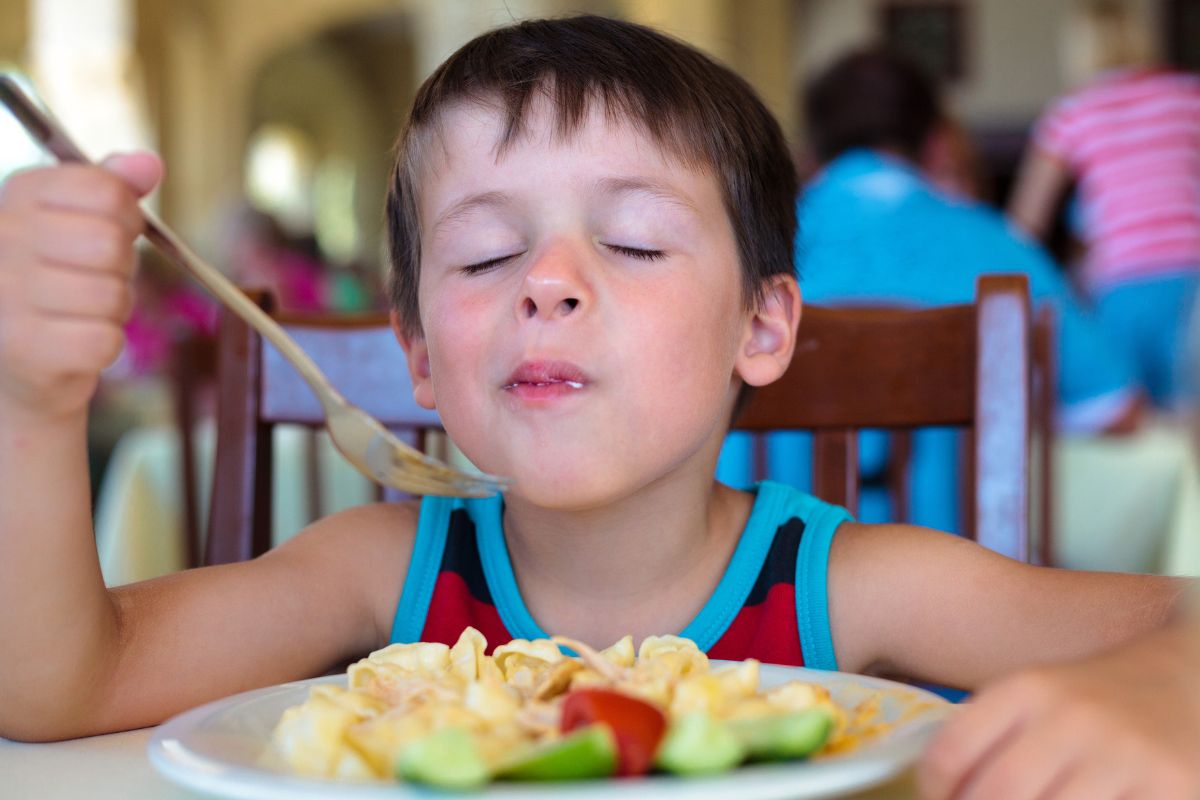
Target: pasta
<point x="511" y="702"/>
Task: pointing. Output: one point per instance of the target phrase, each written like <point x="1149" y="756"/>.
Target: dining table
<point x="115" y="766"/>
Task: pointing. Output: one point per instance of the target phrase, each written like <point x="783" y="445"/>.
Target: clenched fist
<point x="66" y="271"/>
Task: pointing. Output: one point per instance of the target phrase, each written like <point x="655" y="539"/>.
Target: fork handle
<point x="55" y="140"/>
<point x="236" y="300"/>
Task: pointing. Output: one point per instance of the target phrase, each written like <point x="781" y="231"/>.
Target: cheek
<point x="689" y="354"/>
<point x="456" y="327"/>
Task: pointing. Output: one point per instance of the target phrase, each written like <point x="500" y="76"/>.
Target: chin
<point x="569" y="487"/>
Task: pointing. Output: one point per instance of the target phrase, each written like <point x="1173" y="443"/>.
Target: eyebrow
<point x="652" y="188"/>
<point x="470" y="203"/>
<point x="609" y="186"/>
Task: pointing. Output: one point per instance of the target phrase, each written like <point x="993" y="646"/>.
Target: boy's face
<point x="581" y="306"/>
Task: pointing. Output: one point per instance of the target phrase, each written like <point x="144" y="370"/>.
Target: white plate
<point x="219" y="749"/>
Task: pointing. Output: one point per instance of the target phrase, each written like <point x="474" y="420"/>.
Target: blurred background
<point x="291" y="106"/>
<point x="275" y="119"/>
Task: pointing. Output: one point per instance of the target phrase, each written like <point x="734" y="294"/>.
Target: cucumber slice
<point x="447" y="759"/>
<point x="786" y="736"/>
<point x="588" y="752"/>
<point x="697" y="744"/>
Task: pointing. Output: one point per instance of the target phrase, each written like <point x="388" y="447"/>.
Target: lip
<point x="546" y="373"/>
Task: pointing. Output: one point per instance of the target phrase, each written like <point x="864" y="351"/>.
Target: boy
<point x="591" y="240"/>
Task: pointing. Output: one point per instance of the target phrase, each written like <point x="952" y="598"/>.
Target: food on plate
<point x="457" y="718"/>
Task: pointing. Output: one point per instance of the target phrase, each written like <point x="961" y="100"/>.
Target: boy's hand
<point x="1122" y="725"/>
<point x="66" y="269"/>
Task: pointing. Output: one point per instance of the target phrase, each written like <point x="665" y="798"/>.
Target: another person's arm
<point x="78" y="658"/>
<point x="1041" y="180"/>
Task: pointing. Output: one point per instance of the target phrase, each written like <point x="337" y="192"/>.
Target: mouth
<point x="545" y="376"/>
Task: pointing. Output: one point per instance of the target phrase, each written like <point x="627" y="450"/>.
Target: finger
<point x="1025" y="767"/>
<point x="66" y="346"/>
<point x="981" y="725"/>
<point x="83" y="241"/>
<point x="65" y="291"/>
<point x="76" y="187"/>
<point x="1090" y="781"/>
<point x="141" y="171"/>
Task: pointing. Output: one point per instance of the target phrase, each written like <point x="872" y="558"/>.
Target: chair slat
<point x="835" y="467"/>
<point x="1002" y="425"/>
<point x="239" y="522"/>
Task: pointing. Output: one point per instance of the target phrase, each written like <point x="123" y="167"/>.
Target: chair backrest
<point x="258" y="389"/>
<point x="967" y="366"/>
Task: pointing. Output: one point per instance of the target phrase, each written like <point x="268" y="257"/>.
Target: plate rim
<point x="212" y="776"/>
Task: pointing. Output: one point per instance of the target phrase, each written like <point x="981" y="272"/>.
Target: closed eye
<point x="635" y="252"/>
<point x="484" y="266"/>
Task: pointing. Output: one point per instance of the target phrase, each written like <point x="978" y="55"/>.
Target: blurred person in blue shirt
<point x="877" y="226"/>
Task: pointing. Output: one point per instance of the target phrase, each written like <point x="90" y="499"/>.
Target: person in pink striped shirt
<point x="1130" y="137"/>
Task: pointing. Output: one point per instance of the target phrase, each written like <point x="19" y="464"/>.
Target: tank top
<point x="770" y="603"/>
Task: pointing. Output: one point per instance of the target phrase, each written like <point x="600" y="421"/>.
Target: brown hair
<point x="873" y="97"/>
<point x="695" y="109"/>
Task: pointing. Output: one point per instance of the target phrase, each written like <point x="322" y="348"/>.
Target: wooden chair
<point x="899" y="369"/>
<point x="258" y="390"/>
<point x="1045" y="393"/>
<point x="968" y="365"/>
<point x="193" y="371"/>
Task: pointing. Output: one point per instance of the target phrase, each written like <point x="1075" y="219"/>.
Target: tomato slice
<point x="637" y="726"/>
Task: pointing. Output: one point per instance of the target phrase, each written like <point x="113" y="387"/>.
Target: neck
<point x="641" y="566"/>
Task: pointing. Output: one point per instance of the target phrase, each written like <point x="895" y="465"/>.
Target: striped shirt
<point x="770" y="604"/>
<point x="1133" y="140"/>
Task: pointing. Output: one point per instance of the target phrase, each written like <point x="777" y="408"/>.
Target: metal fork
<point x="360" y="438"/>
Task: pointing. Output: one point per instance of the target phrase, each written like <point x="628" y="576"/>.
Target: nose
<point x="555" y="287"/>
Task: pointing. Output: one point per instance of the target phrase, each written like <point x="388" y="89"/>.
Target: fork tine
<point x="408" y="458"/>
<point x="441" y="481"/>
<point x="461" y="485"/>
<point x="398" y="464"/>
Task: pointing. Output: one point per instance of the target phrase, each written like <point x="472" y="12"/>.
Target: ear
<point x="417" y="353"/>
<point x="770" y="334"/>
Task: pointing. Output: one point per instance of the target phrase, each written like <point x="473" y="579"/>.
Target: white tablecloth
<point x="116" y="767"/>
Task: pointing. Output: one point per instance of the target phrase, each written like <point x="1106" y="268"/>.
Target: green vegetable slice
<point x="786" y="736"/>
<point x="697" y="744"/>
<point x="589" y="752"/>
<point x="447" y="759"/>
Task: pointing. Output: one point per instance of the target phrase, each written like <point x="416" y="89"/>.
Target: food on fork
<point x="456" y="718"/>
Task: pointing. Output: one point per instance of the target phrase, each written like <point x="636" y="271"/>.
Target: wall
<point x="203" y="59"/>
<point x="13" y="25"/>
<point x="1013" y="65"/>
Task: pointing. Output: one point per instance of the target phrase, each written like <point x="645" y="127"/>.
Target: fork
<point x="360" y="438"/>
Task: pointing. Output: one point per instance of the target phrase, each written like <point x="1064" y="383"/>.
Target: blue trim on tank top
<point x="774" y="504"/>
<point x="429" y="543"/>
<point x="812" y="587"/>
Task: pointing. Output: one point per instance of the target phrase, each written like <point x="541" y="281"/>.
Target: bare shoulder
<point x="882" y="576"/>
<point x="872" y="548"/>
<point x="370" y="544"/>
<point x="933" y="605"/>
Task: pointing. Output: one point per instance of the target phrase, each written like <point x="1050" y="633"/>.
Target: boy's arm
<point x="80" y="662"/>
<point x="77" y="658"/>
<point x="939" y="608"/>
